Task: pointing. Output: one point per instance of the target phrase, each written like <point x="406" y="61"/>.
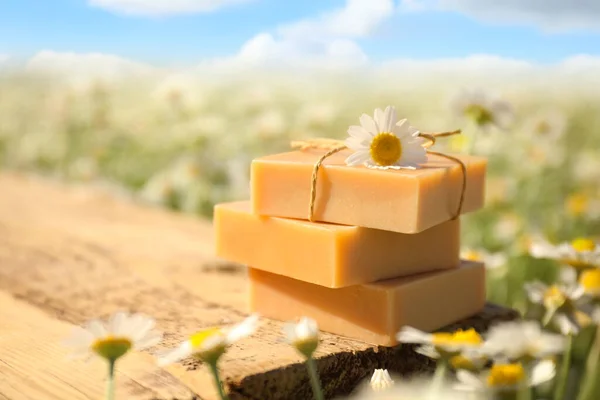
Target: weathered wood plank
<point x="75" y="254"/>
<point x="34" y="365"/>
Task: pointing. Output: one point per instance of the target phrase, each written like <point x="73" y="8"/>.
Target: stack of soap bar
<point x="383" y="254"/>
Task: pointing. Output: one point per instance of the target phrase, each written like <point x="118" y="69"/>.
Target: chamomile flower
<point x="304" y="335"/>
<point x="484" y="109"/>
<point x="384" y="142"/>
<point x="111" y="340"/>
<point x="209" y="345"/>
<point x="445" y="344"/>
<point x="548" y="125"/>
<point x="581" y="253"/>
<point x="562" y="304"/>
<point x="492" y="261"/>
<point x="521" y="341"/>
<point x="381" y="380"/>
<point x="470" y="359"/>
<point x="506" y="377"/>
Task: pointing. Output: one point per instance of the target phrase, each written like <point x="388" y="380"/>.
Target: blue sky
<point x="187" y="35"/>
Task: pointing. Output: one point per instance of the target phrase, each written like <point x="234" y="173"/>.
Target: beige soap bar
<point x="330" y="255"/>
<point x="375" y="312"/>
<point x="406" y="201"/>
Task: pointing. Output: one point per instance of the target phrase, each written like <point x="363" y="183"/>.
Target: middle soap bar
<point x="331" y="255"/>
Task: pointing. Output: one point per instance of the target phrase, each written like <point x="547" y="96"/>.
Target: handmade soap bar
<point x="330" y="255"/>
<point x="406" y="201"/>
<point x="375" y="312"/>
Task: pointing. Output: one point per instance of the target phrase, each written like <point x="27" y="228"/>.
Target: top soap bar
<point x="404" y="201"/>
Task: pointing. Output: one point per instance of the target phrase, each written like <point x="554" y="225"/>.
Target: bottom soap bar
<point x="374" y="312"/>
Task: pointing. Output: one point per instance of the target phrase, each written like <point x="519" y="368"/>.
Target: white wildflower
<point x="485" y="109"/>
<point x="521" y="341"/>
<point x="209" y="345"/>
<point x="112" y="340"/>
<point x="580" y="254"/>
<point x="384" y="142"/>
<point x="381" y="380"/>
<point x="505" y="377"/>
<point x="304" y="335"/>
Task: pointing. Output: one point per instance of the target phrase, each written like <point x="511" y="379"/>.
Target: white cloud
<point x="4" y="58"/>
<point x="357" y="18"/>
<point x="86" y="65"/>
<point x="551" y="15"/>
<point x="162" y="7"/>
<point x="325" y="41"/>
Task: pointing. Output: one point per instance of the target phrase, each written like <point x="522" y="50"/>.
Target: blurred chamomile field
<point x="185" y="141"/>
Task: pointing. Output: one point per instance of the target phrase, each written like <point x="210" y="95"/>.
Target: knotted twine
<point x="334" y="146"/>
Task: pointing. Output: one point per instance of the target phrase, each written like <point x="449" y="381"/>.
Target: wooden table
<point x="69" y="254"/>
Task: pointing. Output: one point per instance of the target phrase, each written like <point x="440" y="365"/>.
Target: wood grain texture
<point x="70" y="254"/>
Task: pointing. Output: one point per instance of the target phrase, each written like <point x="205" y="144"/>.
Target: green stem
<point x="215" y="373"/>
<point x="314" y="378"/>
<point x="526" y="393"/>
<point x="440" y="375"/>
<point x="563" y="373"/>
<point x="506" y="395"/>
<point x="110" y="383"/>
<point x="590" y="385"/>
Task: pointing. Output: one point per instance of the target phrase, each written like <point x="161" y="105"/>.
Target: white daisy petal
<point x="542" y="372"/>
<point x="379" y="118"/>
<point x="116" y="323"/>
<point x="214" y="341"/>
<point x="246" y="328"/>
<point x="96" y="327"/>
<point x="356" y="144"/>
<point x="143" y="325"/>
<point x="79" y="338"/>
<point x="175" y="355"/>
<point x="535" y="291"/>
<point x="427" y="351"/>
<point x="357" y="158"/>
<point x="468" y="381"/>
<point x="149" y="340"/>
<point x="359" y="133"/>
<point x="409" y="334"/>
<point x="389" y="119"/>
<point x="369" y="124"/>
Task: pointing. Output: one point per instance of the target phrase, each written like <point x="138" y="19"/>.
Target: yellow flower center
<point x="111" y="347"/>
<point x="554" y="297"/>
<point x="583" y="244"/>
<point x="590" y="280"/>
<point x="471" y="255"/>
<point x="209" y="355"/>
<point x="462" y="362"/>
<point x="506" y="375"/>
<point x="386" y="149"/>
<point x="479" y="114"/>
<point x="198" y="339"/>
<point x="460" y="337"/>
<point x="543" y="128"/>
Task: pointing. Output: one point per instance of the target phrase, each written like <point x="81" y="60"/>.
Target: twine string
<point x="334" y="146"/>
